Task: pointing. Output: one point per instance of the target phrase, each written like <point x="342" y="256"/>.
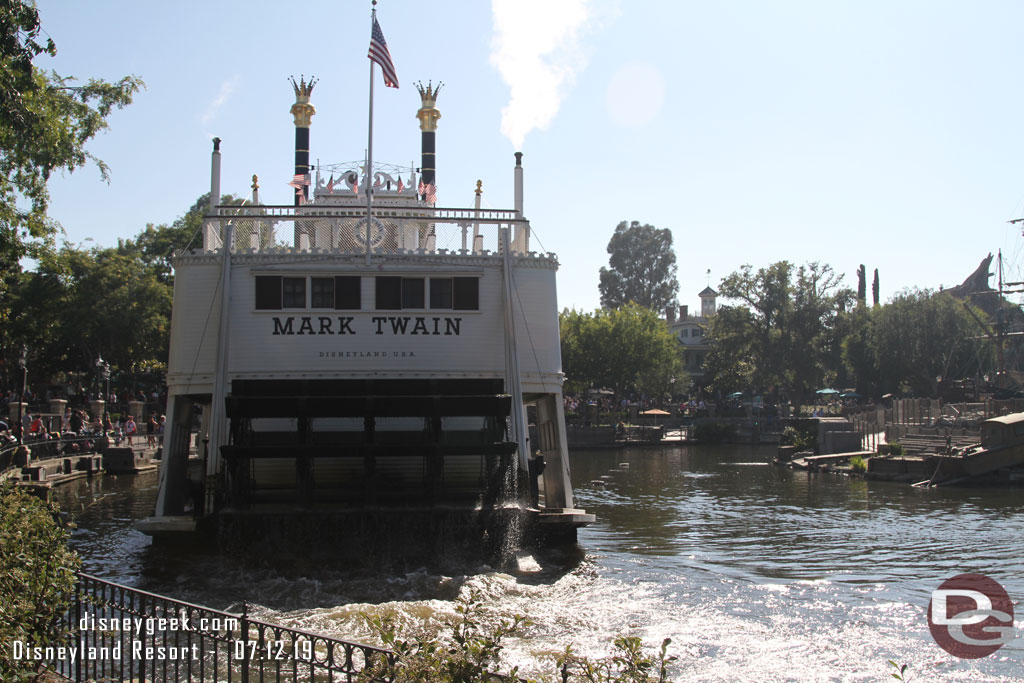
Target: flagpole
<point x="369" y="149"/>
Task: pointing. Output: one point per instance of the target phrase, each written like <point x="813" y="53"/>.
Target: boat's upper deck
<point x="334" y="221"/>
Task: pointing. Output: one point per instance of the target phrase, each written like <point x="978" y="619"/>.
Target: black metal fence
<point x="120" y="634"/>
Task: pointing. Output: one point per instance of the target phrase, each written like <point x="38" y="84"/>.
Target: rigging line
<point x="526" y="323"/>
<point x="202" y="337"/>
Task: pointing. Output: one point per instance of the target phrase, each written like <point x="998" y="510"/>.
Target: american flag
<point x="379" y="53"/>
<point x="300" y="180"/>
<point x="430" y="190"/>
<point x="401" y="186"/>
<point x="330" y="185"/>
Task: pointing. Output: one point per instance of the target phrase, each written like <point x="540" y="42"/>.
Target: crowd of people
<point x="76" y="429"/>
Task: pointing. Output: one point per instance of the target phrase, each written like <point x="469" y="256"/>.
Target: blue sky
<point x="883" y="133"/>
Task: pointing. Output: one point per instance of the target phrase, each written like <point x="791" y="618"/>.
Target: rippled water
<point x="756" y="573"/>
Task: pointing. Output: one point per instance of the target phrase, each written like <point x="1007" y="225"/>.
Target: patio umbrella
<point x="655" y="413"/>
<point x="827" y="392"/>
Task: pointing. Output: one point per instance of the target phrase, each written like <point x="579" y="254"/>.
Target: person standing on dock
<point x="129" y="429"/>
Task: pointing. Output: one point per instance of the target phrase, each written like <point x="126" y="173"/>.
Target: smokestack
<point x="684" y="312"/>
<point x="521" y="243"/>
<point x="428" y="116"/>
<point x="214" y="177"/>
<point x="519" y="184"/>
<point x="303" y="112"/>
<point x="670" y="314"/>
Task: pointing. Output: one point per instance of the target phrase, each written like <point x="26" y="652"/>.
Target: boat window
<point x="466" y="294"/>
<point x="389" y="293"/>
<point x="321" y="292"/>
<point x="413" y="292"/>
<point x="397" y="293"/>
<point x="348" y="292"/>
<point x="440" y="292"/>
<point x="293" y="292"/>
<point x="268" y="292"/>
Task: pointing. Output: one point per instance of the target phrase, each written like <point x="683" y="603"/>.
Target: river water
<point x="756" y="573"/>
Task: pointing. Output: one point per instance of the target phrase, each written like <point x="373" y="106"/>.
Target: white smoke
<point x="537" y="51"/>
<point x="227" y="88"/>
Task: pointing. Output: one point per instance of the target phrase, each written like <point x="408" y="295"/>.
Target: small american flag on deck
<point x="300" y="180"/>
<point x="429" y="192"/>
<point x="379" y="54"/>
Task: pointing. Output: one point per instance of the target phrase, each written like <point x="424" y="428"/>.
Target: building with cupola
<point x="691" y="332"/>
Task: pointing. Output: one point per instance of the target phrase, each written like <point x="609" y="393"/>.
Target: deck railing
<point x="340" y="230"/>
<point x="124" y="633"/>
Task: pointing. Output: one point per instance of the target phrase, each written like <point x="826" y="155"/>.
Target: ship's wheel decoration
<point x="376" y="232"/>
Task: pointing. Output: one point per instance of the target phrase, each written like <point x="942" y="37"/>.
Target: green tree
<point x="156" y="245"/>
<point x="37" y="578"/>
<point x="783" y="335"/>
<point x="628" y="350"/>
<point x="642" y="268"/>
<point x="45" y="124"/>
<point x="79" y="304"/>
<point x="857" y="349"/>
<point x="920" y="336"/>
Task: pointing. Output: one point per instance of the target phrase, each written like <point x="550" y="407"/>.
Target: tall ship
<point x="365" y="362"/>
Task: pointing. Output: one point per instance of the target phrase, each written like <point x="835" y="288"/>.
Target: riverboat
<point x="364" y="363"/>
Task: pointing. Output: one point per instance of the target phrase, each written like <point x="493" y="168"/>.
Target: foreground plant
<point x="37" y="578"/>
<point x="901" y="674"/>
<point x="467" y="654"/>
<point x="628" y="664"/>
<point x="470" y="652"/>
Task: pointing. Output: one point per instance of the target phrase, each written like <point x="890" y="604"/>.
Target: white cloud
<point x="227" y="88"/>
<point x="536" y="49"/>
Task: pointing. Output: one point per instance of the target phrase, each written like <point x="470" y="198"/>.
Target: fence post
<point x="74" y="628"/>
<point x="245" y="640"/>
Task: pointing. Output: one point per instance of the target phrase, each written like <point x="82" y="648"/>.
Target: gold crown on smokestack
<point x="302" y="110"/>
<point x="428" y="113"/>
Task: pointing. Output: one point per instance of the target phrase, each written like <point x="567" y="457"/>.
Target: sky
<point x="871" y="132"/>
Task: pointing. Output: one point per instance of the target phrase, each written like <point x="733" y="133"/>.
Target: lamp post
<point x="23" y="364"/>
<point x="103" y="367"/>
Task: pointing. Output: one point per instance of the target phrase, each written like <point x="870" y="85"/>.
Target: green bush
<point x="37" y="578"/>
<point x="894" y="448"/>
<point x="714" y="432"/>
<point x="803" y="440"/>
<point x="859" y="464"/>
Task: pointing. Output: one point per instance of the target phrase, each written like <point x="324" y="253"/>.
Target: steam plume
<point x="536" y="50"/>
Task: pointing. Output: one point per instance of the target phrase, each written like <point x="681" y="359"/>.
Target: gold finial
<point x="479" y="187"/>
<point x="428" y="113"/>
<point x="255" y="182"/>
<point x="302" y="110"/>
